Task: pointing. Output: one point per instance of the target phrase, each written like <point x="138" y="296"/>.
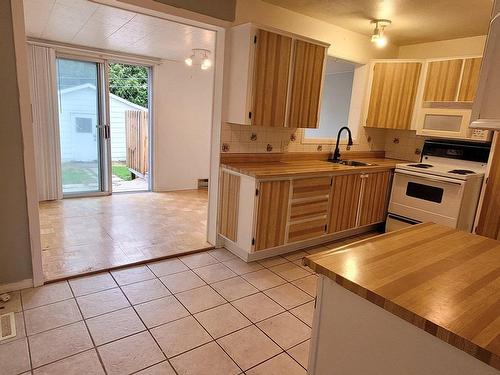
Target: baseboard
<point x="12" y="287"/>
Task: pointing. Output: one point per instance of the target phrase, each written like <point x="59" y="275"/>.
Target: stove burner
<point x="461" y="171"/>
<point x="420" y="165"/>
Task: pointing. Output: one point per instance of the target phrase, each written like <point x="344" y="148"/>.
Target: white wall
<point x="183" y="117"/>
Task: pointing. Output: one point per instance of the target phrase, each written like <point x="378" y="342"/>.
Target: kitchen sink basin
<point x="353" y="163"/>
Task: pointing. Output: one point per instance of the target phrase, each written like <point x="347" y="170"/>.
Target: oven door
<point x="426" y="198"/>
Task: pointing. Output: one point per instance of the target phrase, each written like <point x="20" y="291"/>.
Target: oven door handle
<point x="426" y="177"/>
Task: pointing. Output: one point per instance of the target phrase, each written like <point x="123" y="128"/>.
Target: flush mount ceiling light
<point x="199" y="57"/>
<point x="378" y="36"/>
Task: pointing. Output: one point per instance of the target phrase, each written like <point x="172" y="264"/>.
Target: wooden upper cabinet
<point x="344" y="202"/>
<point x="442" y="81"/>
<point x="272" y="212"/>
<point x="470" y="79"/>
<point x="307" y="79"/>
<point x="373" y="207"/>
<point x="270" y="82"/>
<point x="392" y="95"/>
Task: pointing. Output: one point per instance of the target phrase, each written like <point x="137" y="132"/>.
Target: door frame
<point x="102" y="120"/>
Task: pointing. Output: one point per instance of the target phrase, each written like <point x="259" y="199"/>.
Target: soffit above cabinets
<point x="86" y="23"/>
<point x="412" y="21"/>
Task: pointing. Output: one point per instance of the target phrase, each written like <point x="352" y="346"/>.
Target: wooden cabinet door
<point x="272" y="213"/>
<point x="270" y="81"/>
<point x="344" y="202"/>
<point x="307" y="78"/>
<point x="392" y="98"/>
<point x="228" y="205"/>
<point x="375" y="197"/>
<point x="489" y="218"/>
<point x="470" y="79"/>
<point x="442" y="80"/>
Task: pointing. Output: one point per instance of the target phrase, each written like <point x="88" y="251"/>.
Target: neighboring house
<point x="77" y="118"/>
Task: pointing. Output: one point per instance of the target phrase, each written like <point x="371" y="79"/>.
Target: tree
<point x="129" y="82"/>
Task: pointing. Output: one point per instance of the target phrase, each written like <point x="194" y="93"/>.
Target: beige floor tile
<point x="92" y="284"/>
<point x="214" y="272"/>
<point x="208" y="359"/>
<point x="14" y="357"/>
<point x="102" y="302"/>
<point x="222" y="320"/>
<point x="257" y="307"/>
<point x="51" y="316"/>
<point x="222" y="254"/>
<point x="45" y="294"/>
<point x="167" y="267"/>
<point x="290" y="271"/>
<point x="307" y="284"/>
<point x="288" y="295"/>
<point x="163" y="368"/>
<point x="241" y="267"/>
<point x="301" y="353"/>
<point x="263" y="279"/>
<point x="248" y="347"/>
<point x="12" y="305"/>
<point x="296" y="255"/>
<point x="298" y="262"/>
<point x="316" y="249"/>
<point x="130" y="354"/>
<point x="58" y="343"/>
<point x="182" y="281"/>
<point x="144" y="291"/>
<point x="198" y="260"/>
<point x="234" y="288"/>
<point x="280" y="365"/>
<point x="132" y="275"/>
<point x="273" y="261"/>
<point x="179" y="336"/>
<point x="285" y="329"/>
<point x="84" y="363"/>
<point x="305" y="313"/>
<point x="114" y="325"/>
<point x="199" y="299"/>
<point x="161" y="311"/>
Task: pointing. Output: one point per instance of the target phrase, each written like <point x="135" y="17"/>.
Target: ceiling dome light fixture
<point x="378" y="36"/>
<point x="199" y="57"/>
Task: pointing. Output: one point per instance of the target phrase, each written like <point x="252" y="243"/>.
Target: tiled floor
<point x="82" y="235"/>
<point x="202" y="314"/>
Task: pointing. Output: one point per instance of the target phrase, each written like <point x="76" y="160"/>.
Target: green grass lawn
<point x="121" y="171"/>
<point x="75" y="175"/>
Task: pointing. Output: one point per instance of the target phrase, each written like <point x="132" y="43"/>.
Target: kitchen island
<point x="422" y="300"/>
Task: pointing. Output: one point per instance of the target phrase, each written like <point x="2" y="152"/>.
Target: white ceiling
<point x="89" y="24"/>
<point x="413" y="21"/>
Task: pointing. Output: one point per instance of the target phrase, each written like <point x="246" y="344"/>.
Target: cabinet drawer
<point x="308" y="209"/>
<point x="311" y="187"/>
<point x="307" y="229"/>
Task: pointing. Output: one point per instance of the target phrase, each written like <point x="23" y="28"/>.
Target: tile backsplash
<point x="398" y="144"/>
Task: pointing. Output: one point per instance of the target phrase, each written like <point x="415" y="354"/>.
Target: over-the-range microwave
<point x="448" y="123"/>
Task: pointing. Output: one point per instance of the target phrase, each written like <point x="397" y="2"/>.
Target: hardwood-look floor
<point x="83" y="235"/>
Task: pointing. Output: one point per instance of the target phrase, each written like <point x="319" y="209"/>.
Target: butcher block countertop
<point x="305" y="168"/>
<point x="442" y="280"/>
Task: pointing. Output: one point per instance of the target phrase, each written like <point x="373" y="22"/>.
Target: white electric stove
<point x="444" y="187"/>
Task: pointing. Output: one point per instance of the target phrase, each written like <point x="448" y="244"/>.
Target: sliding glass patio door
<point x="83" y="129"/>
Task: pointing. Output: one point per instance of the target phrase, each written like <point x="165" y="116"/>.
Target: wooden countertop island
<point x="443" y="282"/>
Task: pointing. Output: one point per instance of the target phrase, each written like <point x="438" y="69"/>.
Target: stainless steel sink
<point x="353" y="163"/>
